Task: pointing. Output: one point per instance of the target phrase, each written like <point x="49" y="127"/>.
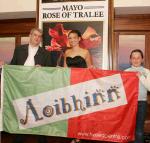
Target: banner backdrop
<point x="70" y="102"/>
<point x="57" y="19"/>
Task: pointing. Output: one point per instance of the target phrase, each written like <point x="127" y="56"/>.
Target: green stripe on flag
<point x="19" y="82"/>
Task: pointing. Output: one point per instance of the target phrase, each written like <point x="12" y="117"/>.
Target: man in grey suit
<point x="31" y="55"/>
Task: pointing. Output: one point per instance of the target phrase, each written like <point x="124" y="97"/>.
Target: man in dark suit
<point x="31" y="55"/>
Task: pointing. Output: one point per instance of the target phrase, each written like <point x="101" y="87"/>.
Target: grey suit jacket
<point x="42" y="56"/>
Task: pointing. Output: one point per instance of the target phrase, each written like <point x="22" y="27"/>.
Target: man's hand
<point x="38" y="65"/>
<point x="1" y="63"/>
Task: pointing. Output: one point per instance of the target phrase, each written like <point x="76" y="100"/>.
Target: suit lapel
<point x="38" y="56"/>
<point x="24" y="53"/>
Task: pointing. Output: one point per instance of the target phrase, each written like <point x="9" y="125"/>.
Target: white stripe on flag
<point x="71" y="101"/>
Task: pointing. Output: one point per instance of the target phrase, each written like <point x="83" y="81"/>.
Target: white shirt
<point x="144" y="81"/>
<point x="31" y="53"/>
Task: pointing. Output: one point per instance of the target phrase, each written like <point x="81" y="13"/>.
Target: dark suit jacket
<point x="42" y="56"/>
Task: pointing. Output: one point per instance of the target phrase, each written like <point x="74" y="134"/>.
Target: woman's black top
<point x="77" y="61"/>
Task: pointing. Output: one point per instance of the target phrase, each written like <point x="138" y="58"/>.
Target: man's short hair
<point x="36" y="29"/>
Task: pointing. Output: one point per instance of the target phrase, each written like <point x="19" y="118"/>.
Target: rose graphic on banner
<point x="59" y="39"/>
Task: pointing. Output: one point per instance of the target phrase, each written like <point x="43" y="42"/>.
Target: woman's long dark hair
<point x="76" y="32"/>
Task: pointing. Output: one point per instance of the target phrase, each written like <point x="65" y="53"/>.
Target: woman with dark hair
<point x="76" y="56"/>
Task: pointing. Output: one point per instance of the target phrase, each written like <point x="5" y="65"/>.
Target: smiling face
<point x="74" y="39"/>
<point x="136" y="59"/>
<point x="35" y="38"/>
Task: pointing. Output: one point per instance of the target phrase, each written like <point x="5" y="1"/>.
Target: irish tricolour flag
<point x="88" y="104"/>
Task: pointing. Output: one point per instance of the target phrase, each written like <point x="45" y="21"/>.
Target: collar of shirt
<point x="31" y="53"/>
<point x="32" y="50"/>
<point x="137" y="68"/>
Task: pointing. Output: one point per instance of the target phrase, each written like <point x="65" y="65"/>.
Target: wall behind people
<point x="27" y="8"/>
<point x="30" y="5"/>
